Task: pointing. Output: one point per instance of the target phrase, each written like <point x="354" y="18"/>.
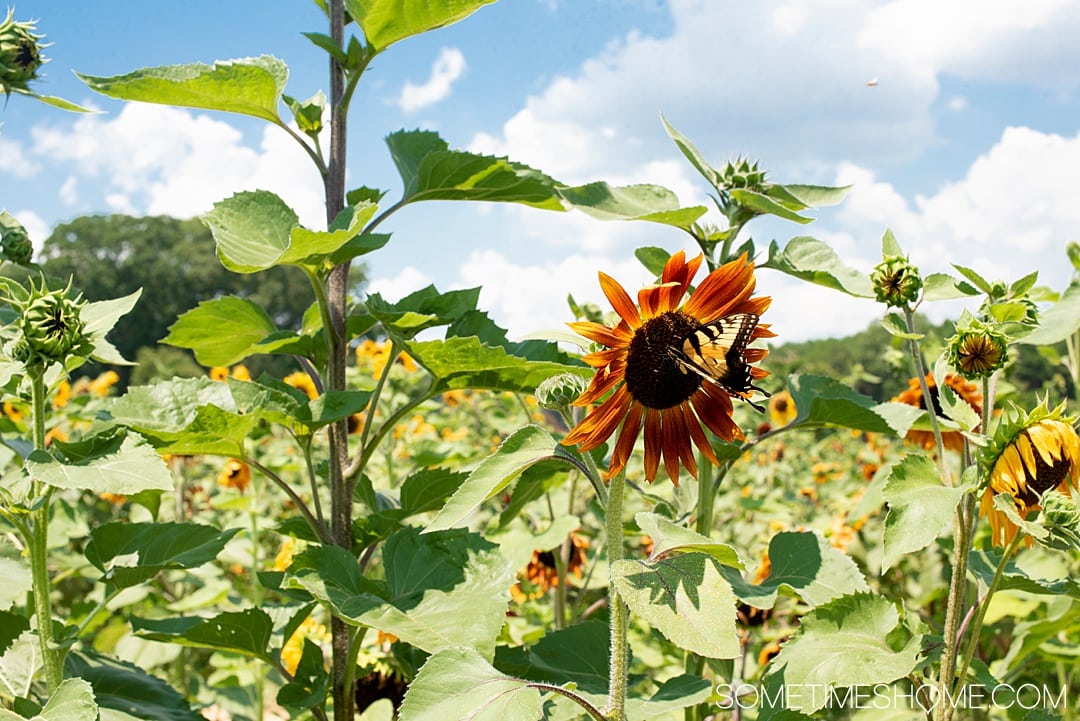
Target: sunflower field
<point x="427" y="520"/>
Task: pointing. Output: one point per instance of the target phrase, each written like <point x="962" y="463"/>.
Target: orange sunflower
<point x="913" y="396"/>
<point x="650" y="386"/>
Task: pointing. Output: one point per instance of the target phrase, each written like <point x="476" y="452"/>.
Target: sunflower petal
<point x="627" y="437"/>
<point x="598" y="425"/>
<point x="653" y="443"/>
<point x="670" y="439"/>
<point x="598" y="333"/>
<point x="620" y="300"/>
<point x="697" y="435"/>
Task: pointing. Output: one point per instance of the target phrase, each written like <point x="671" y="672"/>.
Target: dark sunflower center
<point x="653" y="377"/>
<point x="1046" y="476"/>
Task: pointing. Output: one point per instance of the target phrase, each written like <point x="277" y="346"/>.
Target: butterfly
<point x="715" y="351"/>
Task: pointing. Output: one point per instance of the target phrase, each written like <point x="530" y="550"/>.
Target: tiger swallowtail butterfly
<point x="715" y="351"/>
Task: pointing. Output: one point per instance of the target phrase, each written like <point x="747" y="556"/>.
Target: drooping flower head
<point x="653" y="382"/>
<point x="1031" y="454"/>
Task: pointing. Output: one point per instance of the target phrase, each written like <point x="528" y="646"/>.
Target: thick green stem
<point x="619" y="614"/>
<point x="37" y="544"/>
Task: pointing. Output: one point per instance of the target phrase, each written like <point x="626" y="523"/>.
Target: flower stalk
<point x="619" y="614"/>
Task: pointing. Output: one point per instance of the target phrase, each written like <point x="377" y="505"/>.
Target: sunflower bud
<point x="1061" y="519"/>
<point x="51" y="326"/>
<point x="558" y="392"/>
<point x="741" y="173"/>
<point x="20" y="54"/>
<point x="977" y="350"/>
<point x="896" y="281"/>
<point x="15" y="244"/>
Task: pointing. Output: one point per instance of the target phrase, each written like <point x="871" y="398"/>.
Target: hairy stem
<point x="619" y="614"/>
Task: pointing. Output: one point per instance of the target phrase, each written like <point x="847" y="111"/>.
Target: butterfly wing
<point x="716" y="352"/>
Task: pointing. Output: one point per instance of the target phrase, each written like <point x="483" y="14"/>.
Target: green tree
<point x="175" y="264"/>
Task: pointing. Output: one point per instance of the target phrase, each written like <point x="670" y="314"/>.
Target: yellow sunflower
<point x="782" y="410"/>
<point x="1031" y="455"/>
<point x="913" y="396"/>
<point x="236" y="474"/>
<point x="650" y="387"/>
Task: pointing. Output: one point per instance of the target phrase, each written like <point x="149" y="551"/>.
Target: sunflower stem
<point x="984" y="604"/>
<point x="928" y="400"/>
<point x="619" y="614"/>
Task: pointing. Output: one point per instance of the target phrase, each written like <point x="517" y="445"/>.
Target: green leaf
<point x="632" y="202"/>
<point x="845" y="643"/>
<point x="670" y="538"/>
<point x="457" y="684"/>
<point x="578" y="655"/>
<point x="812" y="260"/>
<point x="897" y="326"/>
<point x="942" y="286"/>
<point x="524" y="448"/>
<point x="131" y="553"/>
<point x="817" y="196"/>
<point x="18" y="665"/>
<point x="222" y="331"/>
<point x="983" y="563"/>
<point x="60" y="103"/>
<point x="920" y="506"/>
<point x="17" y="581"/>
<point x="125" y="687"/>
<point x="890" y="246"/>
<point x="385" y="22"/>
<point x="133" y="467"/>
<point x="458" y="363"/>
<point x="974" y="278"/>
<point x="423" y="309"/>
<point x="11" y="627"/>
<point x="691" y="153"/>
<point x="653" y="259"/>
<point x="432" y="582"/>
<point x="805" y="564"/>
<point x="309" y="684"/>
<point x="99" y="317"/>
<point x="827" y="402"/>
<point x="1059" y="321"/>
<point x="244" y="632"/>
<point x="431" y="171"/>
<point x="73" y="700"/>
<point x="685" y="598"/>
<point x="427" y="489"/>
<point x="248" y="86"/>
<point x="765" y="205"/>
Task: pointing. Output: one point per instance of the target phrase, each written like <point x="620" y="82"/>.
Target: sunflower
<point x="913" y="396"/>
<point x="782" y="410"/>
<point x="236" y="474"/>
<point x="542" y="573"/>
<point x="1031" y="454"/>
<point x="649" y="387"/>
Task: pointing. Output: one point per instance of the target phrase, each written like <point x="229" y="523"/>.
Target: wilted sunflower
<point x="913" y="396"/>
<point x="643" y="365"/>
<point x="1031" y="454"/>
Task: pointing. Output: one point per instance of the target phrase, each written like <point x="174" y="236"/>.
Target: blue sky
<point x="967" y="145"/>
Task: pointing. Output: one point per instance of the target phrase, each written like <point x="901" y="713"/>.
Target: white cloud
<point x="448" y="67"/>
<point x="69" y="190"/>
<point x="957" y="103"/>
<point x="14" y="162"/>
<point x="394" y="288"/>
<point x="155" y="160"/>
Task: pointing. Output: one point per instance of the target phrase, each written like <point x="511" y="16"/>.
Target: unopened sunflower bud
<point x="15" y="244"/>
<point x="977" y="350"/>
<point x="1061" y="518"/>
<point x="560" y="391"/>
<point x="20" y="54"/>
<point x="743" y="174"/>
<point x="51" y="325"/>
<point x="896" y="282"/>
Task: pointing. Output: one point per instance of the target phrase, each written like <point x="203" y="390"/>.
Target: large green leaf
<point x="691" y="153"/>
<point x="824" y="401"/>
<point x="845" y="643"/>
<point x="244" y="632"/>
<point x="221" y="331"/>
<point x="432" y="582"/>
<point x="522" y="449"/>
<point x="431" y="171"/>
<point x="17" y="581"/>
<point x="920" y="506"/>
<point x="131" y="553"/>
<point x="654" y="203"/>
<point x="983" y="564"/>
<point x="805" y="564"/>
<point x="422" y="309"/>
<point x="249" y="86"/>
<point x="670" y="539"/>
<point x="810" y="259"/>
<point x="126" y="468"/>
<point x="458" y="363"/>
<point x="73" y="700"/>
<point x="18" y="665"/>
<point x="125" y="687"/>
<point x="686" y="598"/>
<point x="457" y="684"/>
<point x="578" y="654"/>
<point x="1059" y="321"/>
<point x="99" y="318"/>
<point x="385" y="22"/>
